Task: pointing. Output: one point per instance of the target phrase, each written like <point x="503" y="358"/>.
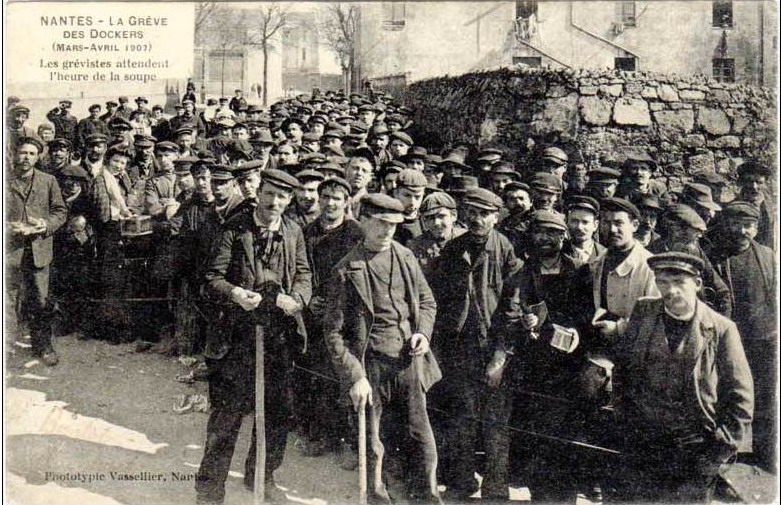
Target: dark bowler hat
<point x="309" y="175"/>
<point x="738" y="208"/>
<point x="411" y="178"/>
<point x="482" y="199"/>
<point x="677" y="262"/>
<point x="279" y="179"/>
<point x="74" y="172"/>
<point x="31" y="140"/>
<point x="182" y="165"/>
<point x="382" y="207"/>
<point x="555" y="155"/>
<point x="648" y="202"/>
<point x="399" y="135"/>
<point x="335" y="181"/>
<point x="754" y="167"/>
<point x="166" y="146"/>
<point x="60" y="142"/>
<point x="545" y="182"/>
<point x="460" y="184"/>
<point x="221" y="172"/>
<point x="252" y="108"/>
<point x="415" y="152"/>
<point x="620" y="205"/>
<point x="701" y="195"/>
<point x="604" y="175"/>
<point x="583" y="202"/>
<point x="437" y="200"/>
<point x="686" y="215"/>
<point x="96" y="138"/>
<point x="548" y="219"/>
<point x="94" y="106"/>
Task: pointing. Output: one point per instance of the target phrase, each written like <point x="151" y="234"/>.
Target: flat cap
<point x="648" y="202"/>
<point x="753" y="167"/>
<point x="378" y="129"/>
<point x="60" y="142"/>
<point x="460" y="184"/>
<point x="333" y="167"/>
<point x="249" y="166"/>
<point x="437" y="200"/>
<point x="279" y="178"/>
<point x="411" y="178"/>
<point x="482" y="199"/>
<point x="678" y="262"/>
<point x="74" y="172"/>
<point x="142" y="99"/>
<point x="415" y="152"/>
<point x="335" y="181"/>
<point x="319" y="118"/>
<point x="30" y="140"/>
<point x="309" y="175"/>
<point x="399" y="135"/>
<point x="183" y="165"/>
<point x="141" y="140"/>
<point x="700" y="194"/>
<point x="738" y="208"/>
<point x="394" y="166"/>
<point x="184" y="130"/>
<point x="546" y="182"/>
<point x="556" y="155"/>
<point x="686" y="215"/>
<point x="111" y="103"/>
<point x="620" y="205"/>
<point x="635" y="159"/>
<point x="505" y="167"/>
<point x="310" y="137"/>
<point x="548" y="219"/>
<point x="200" y="165"/>
<point x="382" y="207"/>
<point x="515" y="186"/>
<point x="166" y="146"/>
<point x="333" y="133"/>
<point x="119" y="122"/>
<point x="16" y="109"/>
<point x="96" y="138"/>
<point x="604" y="175"/>
<point x="583" y="202"/>
<point x="221" y="172"/>
<point x="123" y="99"/>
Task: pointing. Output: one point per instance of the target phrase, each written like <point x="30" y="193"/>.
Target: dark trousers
<point x="29" y="287"/>
<point x="232" y="393"/>
<point x="403" y="455"/>
<point x="761" y="356"/>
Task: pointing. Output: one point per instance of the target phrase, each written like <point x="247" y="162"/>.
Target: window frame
<point x="719" y="63"/>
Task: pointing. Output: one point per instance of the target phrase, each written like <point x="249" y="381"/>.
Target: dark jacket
<point x="233" y="264"/>
<point x="349" y="313"/>
<point x="720" y="386"/>
<point x="44" y="201"/>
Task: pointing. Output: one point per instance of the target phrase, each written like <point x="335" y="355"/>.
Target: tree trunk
<point x="265" y="73"/>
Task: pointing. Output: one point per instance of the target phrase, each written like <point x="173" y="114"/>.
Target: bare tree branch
<point x="338" y="26"/>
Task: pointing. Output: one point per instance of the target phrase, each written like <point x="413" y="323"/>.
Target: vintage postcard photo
<point x="444" y="252"/>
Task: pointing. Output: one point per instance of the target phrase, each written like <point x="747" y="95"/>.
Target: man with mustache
<point x="686" y="395"/>
<point x="467" y="280"/>
<point x="438" y="217"/>
<point x="753" y="181"/>
<point x="409" y="190"/>
<point x="378" y="323"/>
<point x="305" y="208"/>
<point x="748" y="268"/>
<point x="582" y="223"/>
<point x="260" y="275"/>
<point x="518" y="210"/>
<point x="34" y="211"/>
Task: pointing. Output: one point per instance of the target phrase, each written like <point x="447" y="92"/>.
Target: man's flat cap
<point x="96" y="138"/>
<point x="753" y="167"/>
<point x="166" y="146"/>
<point x="123" y="99"/>
<point x="583" y="202"/>
<point x="437" y="200"/>
<point x="482" y="199"/>
<point x="311" y="137"/>
<point x="312" y="159"/>
<point x="252" y="108"/>
<point x="548" y="219"/>
<point x="382" y="207"/>
<point x="143" y="141"/>
<point x="199" y="165"/>
<point x="367" y="107"/>
<point x="333" y="133"/>
<point x="700" y="194"/>
<point x="506" y="168"/>
<point x="395" y="118"/>
<point x="94" y="106"/>
<point x="648" y="202"/>
<point x="18" y="108"/>
<point x="460" y="184"/>
<point x="221" y="172"/>
<point x="183" y="165"/>
<point x="620" y="205"/>
<point x="378" y="129"/>
<point x="635" y="159"/>
<point x="411" y="178"/>
<point x="279" y="178"/>
<point x="245" y="168"/>
<point x="515" y="186"/>
<point x="556" y="155"/>
<point x="332" y="166"/>
<point x="319" y="118"/>
<point x="309" y="175"/>
<point x="677" y="262"/>
<point x="59" y="143"/>
<point x="335" y="181"/>
<point x="184" y="130"/>
<point x="264" y="137"/>
<point x="686" y="215"/>
<point x="74" y="172"/>
<point x="393" y="166"/>
<point x="604" y="175"/>
<point x="399" y="135"/>
<point x="363" y="152"/>
<point x="546" y="182"/>
<point x="111" y="103"/>
<point x="737" y="208"/>
<point x="119" y="122"/>
<point x="158" y="107"/>
<point x="712" y="178"/>
<point x="415" y="152"/>
<point x="30" y="140"/>
<point x="142" y="99"/>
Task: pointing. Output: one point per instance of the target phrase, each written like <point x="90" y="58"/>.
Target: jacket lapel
<point x="357" y="275"/>
<point x="249" y="249"/>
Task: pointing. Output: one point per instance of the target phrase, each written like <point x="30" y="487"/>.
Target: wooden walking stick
<point x="259" y="491"/>
<point x="362" y="454"/>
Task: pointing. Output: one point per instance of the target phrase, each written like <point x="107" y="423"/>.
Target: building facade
<point x="733" y="41"/>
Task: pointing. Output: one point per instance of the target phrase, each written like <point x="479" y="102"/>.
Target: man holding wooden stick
<point x="378" y="322"/>
<point x="260" y="271"/>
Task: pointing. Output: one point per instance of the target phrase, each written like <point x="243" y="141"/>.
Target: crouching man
<point x="685" y="391"/>
<point x="378" y="322"/>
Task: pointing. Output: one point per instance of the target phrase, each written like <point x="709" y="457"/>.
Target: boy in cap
<point x="438" y="218"/>
<point x="681" y="418"/>
<point x="378" y="324"/>
<point x="410" y="189"/>
<point x="468" y="279"/>
<point x="267" y="304"/>
<point x="749" y="270"/>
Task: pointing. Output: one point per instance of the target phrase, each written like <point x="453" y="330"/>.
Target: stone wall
<point x="689" y="125"/>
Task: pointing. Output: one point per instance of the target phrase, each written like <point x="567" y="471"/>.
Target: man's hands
<point x="361" y="393"/>
<point x="529" y="321"/>
<point x="610" y="328"/>
<point x="420" y="344"/>
<point x="288" y="304"/>
<point x="246" y="299"/>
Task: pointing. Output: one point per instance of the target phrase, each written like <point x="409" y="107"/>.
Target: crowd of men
<point x="454" y="294"/>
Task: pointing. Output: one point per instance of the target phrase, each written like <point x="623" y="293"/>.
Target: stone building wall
<point x="688" y="124"/>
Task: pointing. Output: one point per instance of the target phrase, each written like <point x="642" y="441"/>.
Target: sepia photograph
<point x="390" y="252"/>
